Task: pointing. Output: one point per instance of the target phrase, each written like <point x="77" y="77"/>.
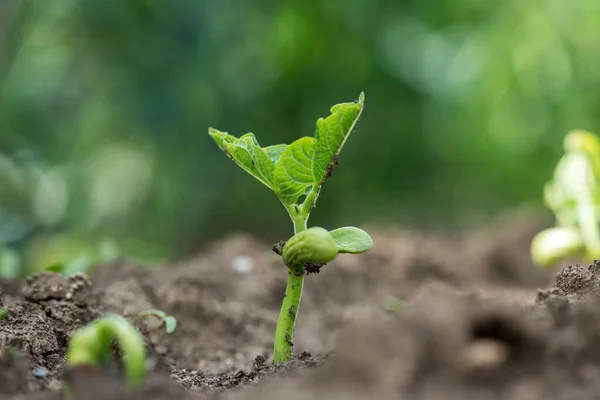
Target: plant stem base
<point x="287" y="316"/>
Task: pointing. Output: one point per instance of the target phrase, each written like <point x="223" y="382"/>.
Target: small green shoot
<point x="573" y="195"/>
<point x="3" y="313"/>
<point x="393" y="304"/>
<point x="91" y="346"/>
<point x="168" y="321"/>
<point x="296" y="173"/>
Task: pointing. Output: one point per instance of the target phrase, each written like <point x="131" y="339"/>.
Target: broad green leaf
<point x="170" y="324"/>
<point x="247" y="153"/>
<point x="293" y="172"/>
<point x="351" y="240"/>
<point x="274" y="152"/>
<point x="332" y="133"/>
<point x="221" y="138"/>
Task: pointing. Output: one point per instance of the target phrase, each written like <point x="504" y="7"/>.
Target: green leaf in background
<point x="168" y="321"/>
<point x="585" y="141"/>
<point x="332" y="133"/>
<point x="294" y="171"/>
<point x="3" y="313"/>
<point x="393" y="304"/>
<point x="554" y="244"/>
<point x="170" y="324"/>
<point x="157" y="313"/>
<point x="55" y="267"/>
<point x="247" y="153"/>
<point x="351" y="240"/>
<point x="10" y="263"/>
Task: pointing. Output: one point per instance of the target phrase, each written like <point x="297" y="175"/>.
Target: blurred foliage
<point x="105" y="104"/>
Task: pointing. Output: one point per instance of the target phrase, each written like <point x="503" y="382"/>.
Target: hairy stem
<point x="284" y="332"/>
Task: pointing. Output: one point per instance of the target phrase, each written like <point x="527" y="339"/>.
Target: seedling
<point x="393" y="304"/>
<point x="168" y="321"/>
<point x="296" y="173"/>
<point x="3" y="313"/>
<point x="91" y="346"/>
<point x="573" y="195"/>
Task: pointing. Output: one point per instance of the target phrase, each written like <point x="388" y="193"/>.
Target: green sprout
<point x="168" y="321"/>
<point x="296" y="173"/>
<point x="573" y="196"/>
<point x="3" y="313"/>
<point x="393" y="304"/>
<point x="91" y="346"/>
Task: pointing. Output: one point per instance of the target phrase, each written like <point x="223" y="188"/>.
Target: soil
<point x="479" y="322"/>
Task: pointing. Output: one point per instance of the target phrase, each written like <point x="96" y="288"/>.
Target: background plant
<point x="168" y="321"/>
<point x="296" y="173"/>
<point x="91" y="345"/>
<point x="573" y="195"/>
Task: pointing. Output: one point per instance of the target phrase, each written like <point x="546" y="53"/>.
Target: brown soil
<point x="475" y="326"/>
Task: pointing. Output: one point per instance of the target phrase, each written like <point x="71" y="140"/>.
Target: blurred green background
<point x="105" y="105"/>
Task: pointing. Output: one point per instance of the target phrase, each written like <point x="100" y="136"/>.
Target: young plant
<point x="91" y="346"/>
<point x="168" y="321"/>
<point x="573" y="196"/>
<point x="296" y="173"/>
<point x="393" y="304"/>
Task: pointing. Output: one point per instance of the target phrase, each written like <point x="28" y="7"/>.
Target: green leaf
<point x="157" y="313"/>
<point x="351" y="240"/>
<point x="3" y="313"/>
<point x="247" y="153"/>
<point x="274" y="152"/>
<point x="56" y="267"/>
<point x="393" y="304"/>
<point x="293" y="172"/>
<point x="332" y="133"/>
<point x="168" y="320"/>
<point x="170" y="324"/>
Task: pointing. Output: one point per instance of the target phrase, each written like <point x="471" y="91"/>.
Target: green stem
<point x="284" y="333"/>
<point x="310" y="201"/>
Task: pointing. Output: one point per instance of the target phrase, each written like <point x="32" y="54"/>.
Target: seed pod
<point x="314" y="245"/>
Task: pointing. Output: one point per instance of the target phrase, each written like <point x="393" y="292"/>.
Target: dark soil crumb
<point x="41" y="324"/>
<point x="205" y="382"/>
<point x="578" y="280"/>
<point x="14" y="367"/>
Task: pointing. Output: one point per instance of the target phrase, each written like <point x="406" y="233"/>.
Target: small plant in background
<point x="3" y="313"/>
<point x="573" y="195"/>
<point x="393" y="304"/>
<point x="168" y="321"/>
<point x="296" y="173"/>
<point x="91" y="346"/>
